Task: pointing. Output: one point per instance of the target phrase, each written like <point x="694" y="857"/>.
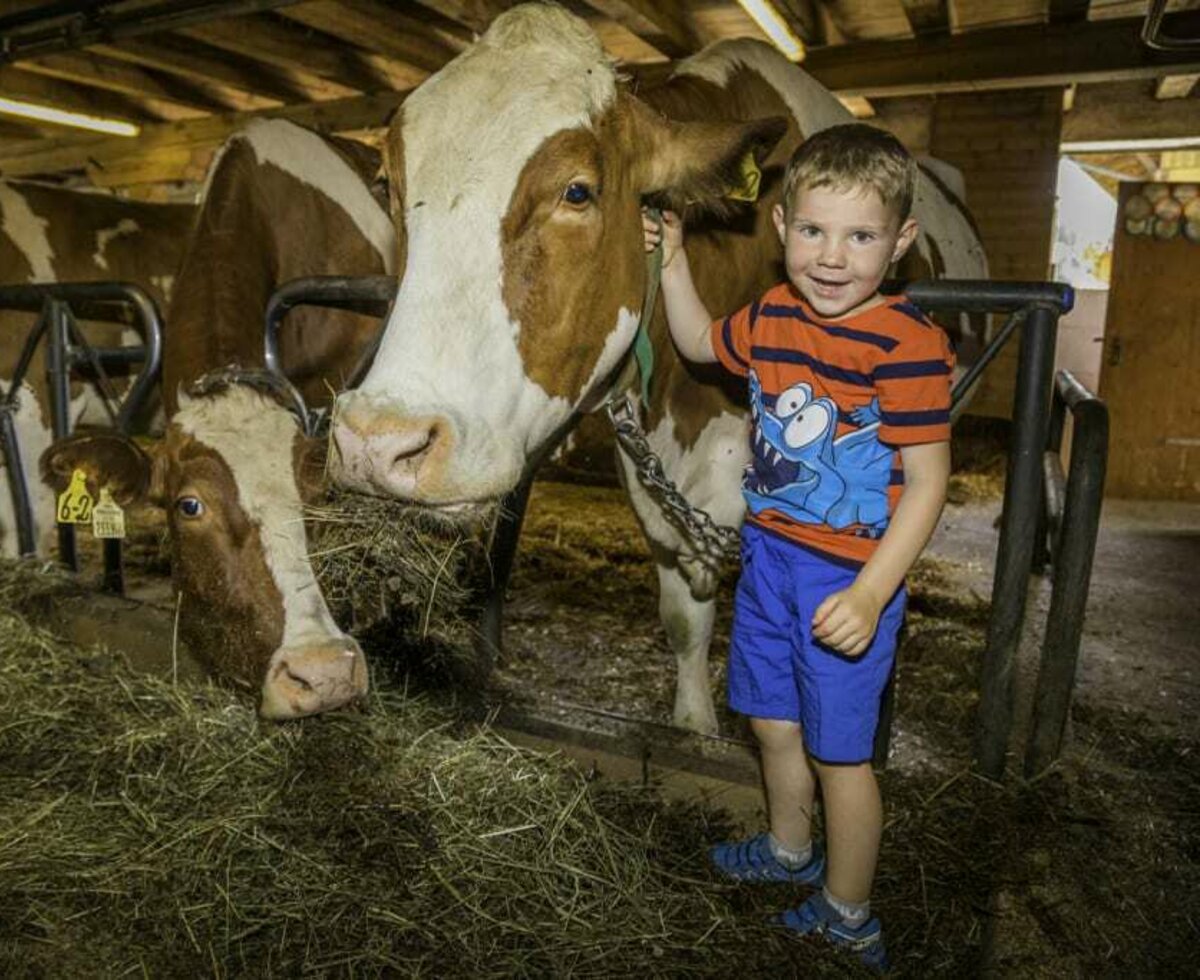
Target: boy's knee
<point x="831" y="772"/>
<point x="775" y="733"/>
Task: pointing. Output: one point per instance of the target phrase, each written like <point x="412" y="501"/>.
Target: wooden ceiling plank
<point x="663" y="24"/>
<point x="19" y="84"/>
<point x="927" y="16"/>
<point x="1052" y="54"/>
<point x="804" y="18"/>
<point x="1124" y="110"/>
<point x="377" y="28"/>
<point x="1176" y="86"/>
<point x="303" y="52"/>
<point x="87" y="68"/>
<point x="472" y="14"/>
<point x="74" y="153"/>
<point x="1067" y="11"/>
<point x="183" y="58"/>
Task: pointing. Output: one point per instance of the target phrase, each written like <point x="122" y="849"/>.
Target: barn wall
<point x="1152" y="359"/>
<point x="1007" y="145"/>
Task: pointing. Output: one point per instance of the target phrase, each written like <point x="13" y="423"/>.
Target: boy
<point x="850" y="398"/>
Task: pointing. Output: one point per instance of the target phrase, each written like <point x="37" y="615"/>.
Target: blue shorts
<point x="777" y="670"/>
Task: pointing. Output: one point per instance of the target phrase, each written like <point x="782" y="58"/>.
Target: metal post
<point x="502" y="554"/>
<point x="1018" y="533"/>
<point x="58" y="383"/>
<point x="1072" y="573"/>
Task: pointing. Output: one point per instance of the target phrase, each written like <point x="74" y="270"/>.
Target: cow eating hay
<point x="159" y="829"/>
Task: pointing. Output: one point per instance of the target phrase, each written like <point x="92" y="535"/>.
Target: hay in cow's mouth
<point x="161" y="830"/>
<point x="406" y="582"/>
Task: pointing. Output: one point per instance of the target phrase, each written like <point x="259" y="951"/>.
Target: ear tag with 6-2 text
<point x="108" y="520"/>
<point x="750" y="177"/>
<point x="75" y="503"/>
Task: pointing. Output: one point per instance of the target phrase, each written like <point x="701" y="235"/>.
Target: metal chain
<point x="713" y="540"/>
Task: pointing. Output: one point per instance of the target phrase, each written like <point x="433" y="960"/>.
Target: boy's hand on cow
<point x="847" y="620"/>
<point x="670" y="234"/>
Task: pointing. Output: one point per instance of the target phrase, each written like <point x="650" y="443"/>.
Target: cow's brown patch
<point x="393" y="170"/>
<point x="569" y="269"/>
<point x="259" y="227"/>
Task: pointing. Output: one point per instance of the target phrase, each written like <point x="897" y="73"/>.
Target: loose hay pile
<point x="146" y="828"/>
<point x="401" y="580"/>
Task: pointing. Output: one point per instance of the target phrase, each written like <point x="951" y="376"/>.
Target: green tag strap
<point x="643" y="350"/>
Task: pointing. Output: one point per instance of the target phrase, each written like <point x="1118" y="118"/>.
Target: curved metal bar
<point x="370" y="295"/>
<point x="984" y="296"/>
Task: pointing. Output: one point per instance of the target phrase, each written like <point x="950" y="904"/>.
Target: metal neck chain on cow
<point x="710" y="538"/>
<point x="268" y="383"/>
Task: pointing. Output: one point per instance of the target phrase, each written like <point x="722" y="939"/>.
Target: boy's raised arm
<point x="687" y="317"/>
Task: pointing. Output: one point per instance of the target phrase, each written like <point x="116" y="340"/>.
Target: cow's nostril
<point x="299" y="681"/>
<point x="417" y="449"/>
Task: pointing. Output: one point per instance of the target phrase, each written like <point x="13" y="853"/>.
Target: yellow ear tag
<point x="750" y="177"/>
<point x="108" y="520"/>
<point x="75" y="503"/>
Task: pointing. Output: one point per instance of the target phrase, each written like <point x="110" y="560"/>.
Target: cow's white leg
<point x="709" y="475"/>
<point x="34" y="437"/>
<point x="688" y="622"/>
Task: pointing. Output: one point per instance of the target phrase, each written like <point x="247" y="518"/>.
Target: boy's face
<point x="838" y="244"/>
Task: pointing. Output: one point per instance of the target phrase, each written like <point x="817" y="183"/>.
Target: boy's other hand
<point x="847" y="620"/>
<point x="670" y="234"/>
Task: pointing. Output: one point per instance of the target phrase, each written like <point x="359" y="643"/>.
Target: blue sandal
<point x="753" y="860"/>
<point x="816" y="916"/>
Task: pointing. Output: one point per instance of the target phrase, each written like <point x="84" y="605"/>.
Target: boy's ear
<point x="908" y="235"/>
<point x="780" y="220"/>
<point x="693" y="162"/>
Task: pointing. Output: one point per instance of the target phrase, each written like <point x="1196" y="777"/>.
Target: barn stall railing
<point x="60" y="306"/>
<point x="1072" y="522"/>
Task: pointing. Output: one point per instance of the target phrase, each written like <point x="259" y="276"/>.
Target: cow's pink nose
<point x="388" y="454"/>
<point x="309" y="679"/>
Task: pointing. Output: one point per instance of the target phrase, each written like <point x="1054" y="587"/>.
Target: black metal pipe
<point x="984" y="296"/>
<point x="17" y="485"/>
<point x="1072" y="574"/>
<point x="58" y="326"/>
<point x="1018" y="534"/>
<point x="369" y="295"/>
<point x="964" y="384"/>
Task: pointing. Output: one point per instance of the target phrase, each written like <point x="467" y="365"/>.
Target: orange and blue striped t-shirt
<point x="831" y="400"/>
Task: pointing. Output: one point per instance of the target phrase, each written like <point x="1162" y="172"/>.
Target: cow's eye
<point x="190" y="507"/>
<point x="577" y="193"/>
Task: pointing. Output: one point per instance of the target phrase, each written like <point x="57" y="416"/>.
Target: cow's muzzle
<point x="306" y="679"/>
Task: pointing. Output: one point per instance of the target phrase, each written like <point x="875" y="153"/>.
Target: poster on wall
<point x="1083" y="229"/>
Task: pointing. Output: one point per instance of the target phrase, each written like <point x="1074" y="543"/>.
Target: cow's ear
<point x="107" y="459"/>
<point x="695" y="162"/>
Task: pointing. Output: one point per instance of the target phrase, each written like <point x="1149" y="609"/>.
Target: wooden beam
<point x="23" y="85"/>
<point x="804" y="18"/>
<point x="1125" y="110"/>
<point x="54" y="156"/>
<point x="89" y="69"/>
<point x="1067" y="11"/>
<point x="378" y="28"/>
<point x="1176" y="86"/>
<point x="326" y="69"/>
<point x="927" y="16"/>
<point x="662" y="24"/>
<point x="1049" y="55"/>
<point x="473" y="14"/>
<point x="197" y="62"/>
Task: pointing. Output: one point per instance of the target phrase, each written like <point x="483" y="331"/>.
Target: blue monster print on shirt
<point x="799" y="468"/>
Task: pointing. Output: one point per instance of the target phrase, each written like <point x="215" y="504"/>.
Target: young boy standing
<point x="850" y="404"/>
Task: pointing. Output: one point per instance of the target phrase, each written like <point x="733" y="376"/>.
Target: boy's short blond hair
<point x="853" y="155"/>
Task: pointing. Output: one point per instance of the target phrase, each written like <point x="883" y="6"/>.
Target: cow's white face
<point x="516" y="177"/>
<point x="231" y="473"/>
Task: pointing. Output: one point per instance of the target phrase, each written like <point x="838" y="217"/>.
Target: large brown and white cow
<point x="234" y="468"/>
<point x="517" y="173"/>
<point x="51" y="234"/>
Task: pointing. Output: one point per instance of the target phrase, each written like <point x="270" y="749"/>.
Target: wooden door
<point x="1150" y="375"/>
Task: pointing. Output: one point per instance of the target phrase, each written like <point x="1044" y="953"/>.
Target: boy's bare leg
<point x="853" y="827"/>
<point x="789" y="780"/>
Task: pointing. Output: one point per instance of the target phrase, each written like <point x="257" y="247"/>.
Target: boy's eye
<point x="862" y="237"/>
<point x="808" y="231"/>
<point x="577" y="193"/>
